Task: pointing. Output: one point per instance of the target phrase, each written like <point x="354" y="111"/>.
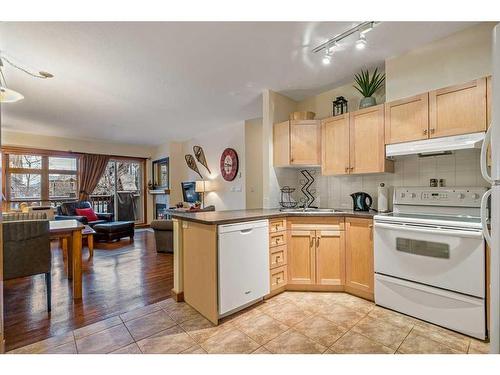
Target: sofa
<point x="164" y="232"/>
<point x="67" y="211"/>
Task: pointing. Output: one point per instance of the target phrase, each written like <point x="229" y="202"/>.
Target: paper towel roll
<point x="383" y="198"/>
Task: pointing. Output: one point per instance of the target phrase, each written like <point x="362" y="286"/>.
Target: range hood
<point x="436" y="145"/>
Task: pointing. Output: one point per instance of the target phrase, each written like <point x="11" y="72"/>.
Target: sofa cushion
<point x="88" y="213"/>
<point x="69" y="208"/>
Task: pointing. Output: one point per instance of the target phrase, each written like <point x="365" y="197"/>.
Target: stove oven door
<point x="447" y="258"/>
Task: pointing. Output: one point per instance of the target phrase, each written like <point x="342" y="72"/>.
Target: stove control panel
<point x="422" y="196"/>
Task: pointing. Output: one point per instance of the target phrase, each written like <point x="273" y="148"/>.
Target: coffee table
<point x="88" y="233"/>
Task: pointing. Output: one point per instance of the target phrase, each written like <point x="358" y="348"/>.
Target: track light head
<point x="327" y="59"/>
<point x="361" y="42"/>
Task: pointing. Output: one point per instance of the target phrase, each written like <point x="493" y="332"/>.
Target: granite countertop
<point x="234" y="216"/>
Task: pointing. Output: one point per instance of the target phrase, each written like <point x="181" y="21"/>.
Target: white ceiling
<point x="147" y="83"/>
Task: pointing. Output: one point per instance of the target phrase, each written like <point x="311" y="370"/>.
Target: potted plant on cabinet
<point x="368" y="86"/>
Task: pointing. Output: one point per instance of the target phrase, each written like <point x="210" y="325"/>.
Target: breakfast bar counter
<point x="235" y="216"/>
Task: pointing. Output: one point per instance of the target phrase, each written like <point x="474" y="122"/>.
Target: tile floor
<point x="292" y="322"/>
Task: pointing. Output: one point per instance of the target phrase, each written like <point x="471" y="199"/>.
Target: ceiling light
<point x="360" y="29"/>
<point x="361" y="42"/>
<point x="327" y="59"/>
<point x="9" y="96"/>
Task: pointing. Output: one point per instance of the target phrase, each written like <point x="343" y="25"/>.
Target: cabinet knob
<point x="425" y="131"/>
<point x="433" y="130"/>
<point x="346" y="169"/>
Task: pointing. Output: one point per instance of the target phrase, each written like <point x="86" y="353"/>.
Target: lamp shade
<point x="201" y="186"/>
<point x="9" y="96"/>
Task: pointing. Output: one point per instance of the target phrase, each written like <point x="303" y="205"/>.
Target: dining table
<point x="71" y="231"/>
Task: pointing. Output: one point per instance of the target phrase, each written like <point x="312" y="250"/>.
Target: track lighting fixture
<point x="361" y="29"/>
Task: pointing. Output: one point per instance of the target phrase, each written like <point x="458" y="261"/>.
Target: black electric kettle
<point x="361" y="201"/>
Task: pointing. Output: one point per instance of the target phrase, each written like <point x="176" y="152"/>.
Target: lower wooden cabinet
<point x="301" y="257"/>
<point x="359" y="257"/>
<point x="316" y="257"/>
<point x="278" y="277"/>
<point x="330" y="257"/>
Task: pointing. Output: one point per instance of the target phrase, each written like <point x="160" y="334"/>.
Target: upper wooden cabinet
<point x="489" y="94"/>
<point x="407" y="119"/>
<point x="366" y="139"/>
<point x="359" y="257"/>
<point x="354" y="143"/>
<point x="335" y="145"/>
<point x="458" y="109"/>
<point x="297" y="143"/>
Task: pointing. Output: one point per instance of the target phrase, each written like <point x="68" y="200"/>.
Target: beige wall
<point x="321" y="104"/>
<point x="458" y="58"/>
<point x="276" y="108"/>
<point x="253" y="163"/>
<point x="225" y="195"/>
<point x="10" y="138"/>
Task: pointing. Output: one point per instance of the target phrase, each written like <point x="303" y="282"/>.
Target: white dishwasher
<point x="243" y="264"/>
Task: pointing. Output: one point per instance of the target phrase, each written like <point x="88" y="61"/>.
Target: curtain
<point x="91" y="170"/>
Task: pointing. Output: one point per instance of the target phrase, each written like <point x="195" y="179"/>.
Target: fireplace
<point x="160" y="210"/>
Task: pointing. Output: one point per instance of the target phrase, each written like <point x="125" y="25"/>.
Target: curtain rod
<point x="33" y="150"/>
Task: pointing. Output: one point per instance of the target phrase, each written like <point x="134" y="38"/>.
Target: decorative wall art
<point x="191" y="163"/>
<point x="200" y="156"/>
<point x="229" y="164"/>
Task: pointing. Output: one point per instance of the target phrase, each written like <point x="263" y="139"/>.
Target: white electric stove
<point x="430" y="257"/>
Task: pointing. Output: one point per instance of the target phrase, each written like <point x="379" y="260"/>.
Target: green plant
<point x="367" y="85"/>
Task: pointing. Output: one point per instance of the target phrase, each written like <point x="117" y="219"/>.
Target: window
<point x="120" y="190"/>
<point x="40" y="178"/>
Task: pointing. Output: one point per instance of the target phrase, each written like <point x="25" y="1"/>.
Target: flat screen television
<point x="188" y="192"/>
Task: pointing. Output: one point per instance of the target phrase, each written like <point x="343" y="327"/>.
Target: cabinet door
<point x="305" y="142"/>
<point x="458" y="109"/>
<point x="407" y="119"/>
<point x="359" y="256"/>
<point x="367" y="145"/>
<point x="301" y="257"/>
<point x="335" y="145"/>
<point x="330" y="257"/>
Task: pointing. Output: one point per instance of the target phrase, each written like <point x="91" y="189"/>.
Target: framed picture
<point x="161" y="173"/>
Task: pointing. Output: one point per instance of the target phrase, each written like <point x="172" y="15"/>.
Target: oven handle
<point x="440" y="231"/>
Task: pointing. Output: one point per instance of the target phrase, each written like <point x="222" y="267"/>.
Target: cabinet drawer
<point x="277" y="225"/>
<point x="277" y="256"/>
<point x="278" y="277"/>
<point x="277" y="239"/>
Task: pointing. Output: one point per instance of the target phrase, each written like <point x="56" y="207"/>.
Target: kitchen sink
<point x="311" y="210"/>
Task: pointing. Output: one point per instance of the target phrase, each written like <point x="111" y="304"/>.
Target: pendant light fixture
<point x="11" y="96"/>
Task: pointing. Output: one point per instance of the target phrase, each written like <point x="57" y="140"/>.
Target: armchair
<point x="26" y="251"/>
<point x="67" y="211"/>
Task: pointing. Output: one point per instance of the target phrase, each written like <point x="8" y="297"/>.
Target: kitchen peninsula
<point x="317" y="250"/>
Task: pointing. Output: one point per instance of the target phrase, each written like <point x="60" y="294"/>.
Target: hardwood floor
<point x="120" y="277"/>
